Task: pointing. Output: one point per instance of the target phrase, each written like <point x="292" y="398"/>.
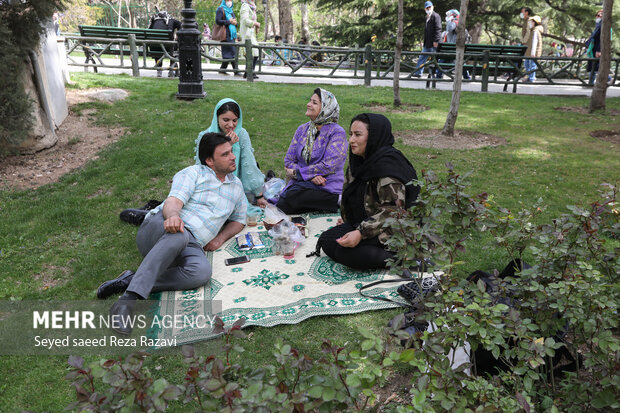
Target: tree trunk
<point x="272" y="21"/>
<point x="305" y="28"/>
<point x="597" y="100"/>
<point x="397" y="54"/>
<point x="448" y="127"/>
<point x="266" y="4"/>
<point x="286" y="20"/>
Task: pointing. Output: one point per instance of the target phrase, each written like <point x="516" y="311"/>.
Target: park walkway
<point x="523" y="89"/>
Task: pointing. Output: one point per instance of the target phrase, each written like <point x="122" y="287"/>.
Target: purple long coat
<point x="329" y="154"/>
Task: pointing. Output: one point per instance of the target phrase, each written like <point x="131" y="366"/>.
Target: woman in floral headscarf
<point x="315" y="159"/>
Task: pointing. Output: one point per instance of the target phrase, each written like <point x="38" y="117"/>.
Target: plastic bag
<point x="273" y="215"/>
<point x="272" y="188"/>
<point x="286" y="238"/>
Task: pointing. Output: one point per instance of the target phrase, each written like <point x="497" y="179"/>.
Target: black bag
<point x="486" y="363"/>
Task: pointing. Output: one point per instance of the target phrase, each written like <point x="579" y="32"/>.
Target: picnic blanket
<point x="271" y="290"/>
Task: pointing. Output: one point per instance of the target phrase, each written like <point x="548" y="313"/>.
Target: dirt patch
<point x="52" y="276"/>
<point x="432" y="138"/>
<point x="584" y="110"/>
<point x="404" y="108"/>
<point x="79" y="141"/>
<point x="612" y="136"/>
<point x="394" y="392"/>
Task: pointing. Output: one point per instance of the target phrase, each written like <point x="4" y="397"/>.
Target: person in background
<point x="248" y="29"/>
<point x="525" y="15"/>
<point x="228" y="120"/>
<point x="56" y="23"/>
<point x="534" y="47"/>
<point x="594" y="48"/>
<point x="206" y="32"/>
<point x="452" y="22"/>
<point x="432" y="35"/>
<point x="225" y="16"/>
<point x="163" y="21"/>
<point x="315" y="159"/>
<point x="375" y="187"/>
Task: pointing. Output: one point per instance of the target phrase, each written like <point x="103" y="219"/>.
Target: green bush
<point x="20" y="31"/>
<point x="575" y="273"/>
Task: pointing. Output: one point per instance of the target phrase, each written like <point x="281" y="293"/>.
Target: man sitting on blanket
<point x="206" y="206"/>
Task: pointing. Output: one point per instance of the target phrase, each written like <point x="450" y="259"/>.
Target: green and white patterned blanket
<point x="271" y="290"/>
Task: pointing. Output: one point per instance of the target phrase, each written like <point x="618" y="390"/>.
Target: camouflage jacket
<point x="380" y="201"/>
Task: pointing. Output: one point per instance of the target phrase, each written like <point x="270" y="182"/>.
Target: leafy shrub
<point x="573" y="279"/>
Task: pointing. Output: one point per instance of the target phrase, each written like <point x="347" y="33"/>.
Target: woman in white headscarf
<point x="248" y="28"/>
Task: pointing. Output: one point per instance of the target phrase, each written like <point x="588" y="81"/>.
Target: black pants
<point x="368" y="254"/>
<point x="300" y="200"/>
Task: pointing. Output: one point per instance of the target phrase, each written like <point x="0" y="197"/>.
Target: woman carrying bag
<point x="225" y="17"/>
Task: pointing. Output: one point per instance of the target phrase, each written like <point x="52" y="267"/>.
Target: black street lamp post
<point x="190" y="61"/>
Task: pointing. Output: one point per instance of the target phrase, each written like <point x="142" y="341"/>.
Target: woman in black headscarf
<point x="375" y="186"/>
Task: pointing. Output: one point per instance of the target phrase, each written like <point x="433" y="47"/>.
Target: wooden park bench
<point x="484" y="60"/>
<point x="104" y="40"/>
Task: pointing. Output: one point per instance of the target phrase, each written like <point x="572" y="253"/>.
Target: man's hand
<point x="435" y="44"/>
<point x="228" y="231"/>
<point x="340" y="221"/>
<point x="597" y="54"/>
<point x="318" y="180"/>
<point x="174" y="224"/>
<point x="350" y="239"/>
<point x="172" y="215"/>
<point x="213" y="245"/>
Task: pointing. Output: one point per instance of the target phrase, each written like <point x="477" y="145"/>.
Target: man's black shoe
<point x="120" y="316"/>
<point x="115" y="286"/>
<point x="153" y="203"/>
<point x="133" y="216"/>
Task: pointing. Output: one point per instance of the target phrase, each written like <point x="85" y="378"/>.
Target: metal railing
<point x="343" y="62"/>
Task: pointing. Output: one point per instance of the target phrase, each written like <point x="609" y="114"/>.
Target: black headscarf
<point x="381" y="160"/>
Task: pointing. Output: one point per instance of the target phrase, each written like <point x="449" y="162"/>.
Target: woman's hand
<point x="257" y="25"/>
<point x="233" y="21"/>
<point x="350" y="239"/>
<point x="262" y="202"/>
<point x="318" y="180"/>
<point x="290" y="173"/>
<point x="233" y="137"/>
<point x="340" y="221"/>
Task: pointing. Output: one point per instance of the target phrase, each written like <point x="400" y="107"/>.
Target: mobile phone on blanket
<point x="237" y="260"/>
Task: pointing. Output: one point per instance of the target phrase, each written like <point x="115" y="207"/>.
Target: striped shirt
<point x="207" y="202"/>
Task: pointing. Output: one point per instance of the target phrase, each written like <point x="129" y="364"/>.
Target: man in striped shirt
<point x="206" y="206"/>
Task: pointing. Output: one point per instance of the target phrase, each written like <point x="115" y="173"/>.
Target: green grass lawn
<point x="70" y="231"/>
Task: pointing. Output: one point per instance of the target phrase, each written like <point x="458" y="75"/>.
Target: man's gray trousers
<point x="171" y="261"/>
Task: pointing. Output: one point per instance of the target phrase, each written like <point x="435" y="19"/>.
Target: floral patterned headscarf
<point x="330" y="112"/>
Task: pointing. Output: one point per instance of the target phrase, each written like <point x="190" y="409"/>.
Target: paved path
<point x="522" y="89"/>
